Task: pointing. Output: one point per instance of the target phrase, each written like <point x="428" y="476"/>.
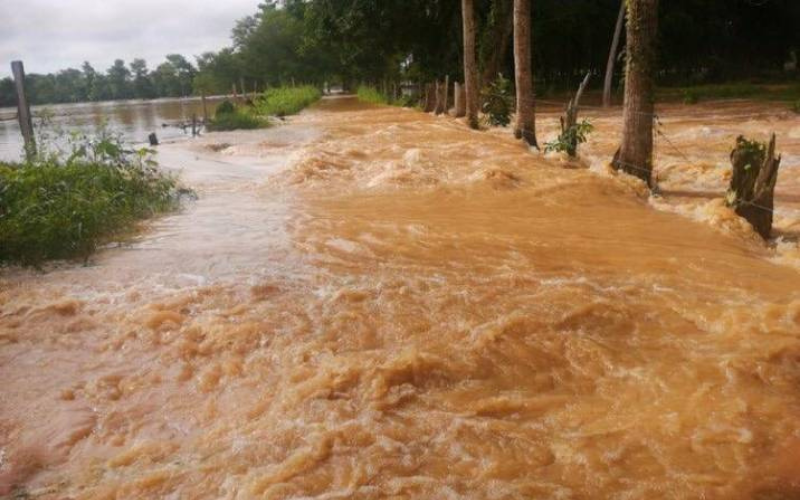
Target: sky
<point x="49" y="35"/>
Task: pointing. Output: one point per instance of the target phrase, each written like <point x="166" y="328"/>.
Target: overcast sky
<point x="49" y="35"/>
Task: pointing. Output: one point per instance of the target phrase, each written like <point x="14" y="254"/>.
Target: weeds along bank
<point x="66" y="205"/>
<point x="253" y="114"/>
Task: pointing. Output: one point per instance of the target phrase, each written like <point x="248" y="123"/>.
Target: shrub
<point x="498" y="102"/>
<point x="226" y="107"/>
<point x="55" y="209"/>
<point x="284" y="101"/>
<point x="796" y="106"/>
<point x="690" y="96"/>
<point x="238" y="119"/>
<point x="372" y="95"/>
<point x="569" y="139"/>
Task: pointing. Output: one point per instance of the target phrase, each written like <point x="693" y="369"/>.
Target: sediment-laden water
<point x="376" y="303"/>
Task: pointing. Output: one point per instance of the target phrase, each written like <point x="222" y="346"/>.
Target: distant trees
<point x="635" y="155"/>
<point x="173" y="78"/>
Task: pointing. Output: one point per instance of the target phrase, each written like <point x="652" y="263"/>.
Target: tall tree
<point x="612" y="55"/>
<point x="525" y="127"/>
<point x="470" y="66"/>
<point x="497" y="39"/>
<point x="635" y="155"/>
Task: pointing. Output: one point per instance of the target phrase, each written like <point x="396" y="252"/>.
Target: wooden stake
<point x="24" y="110"/>
<point x="205" y="107"/>
<point x="461" y="101"/>
<point x="446" y="100"/>
<point x="755" y="174"/>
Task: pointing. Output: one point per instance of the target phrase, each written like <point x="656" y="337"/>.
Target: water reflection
<point x="135" y="120"/>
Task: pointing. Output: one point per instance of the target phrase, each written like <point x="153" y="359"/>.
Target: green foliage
<point x="371" y="95"/>
<point x="55" y="208"/>
<point x="569" y="140"/>
<point x="284" y="101"/>
<point x="796" y="106"/>
<point x="498" y="102"/>
<point x="230" y="117"/>
<point x="690" y="96"/>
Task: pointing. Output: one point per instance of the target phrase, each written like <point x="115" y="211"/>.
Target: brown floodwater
<point x="376" y="303"/>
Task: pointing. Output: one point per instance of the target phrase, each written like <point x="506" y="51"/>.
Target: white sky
<point x="49" y="35"/>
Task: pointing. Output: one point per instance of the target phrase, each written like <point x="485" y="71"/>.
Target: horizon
<point x="118" y="29"/>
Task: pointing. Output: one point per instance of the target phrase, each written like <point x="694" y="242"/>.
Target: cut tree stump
<point x="752" y="190"/>
<point x="461" y="101"/>
<point x="570" y="118"/>
<point x="430" y="97"/>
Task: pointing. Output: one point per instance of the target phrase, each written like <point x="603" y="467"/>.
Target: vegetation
<point x="796" y="106"/>
<point x="172" y="78"/>
<point x="56" y="208"/>
<point x="498" y="102"/>
<point x="569" y="140"/>
<point x="231" y="117"/>
<point x="284" y="101"/>
<point x="371" y="95"/>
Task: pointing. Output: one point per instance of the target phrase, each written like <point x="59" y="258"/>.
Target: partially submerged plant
<point x="498" y="102"/>
<point x="569" y="140"/>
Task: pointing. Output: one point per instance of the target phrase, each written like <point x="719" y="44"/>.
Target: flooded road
<point x="376" y="303"/>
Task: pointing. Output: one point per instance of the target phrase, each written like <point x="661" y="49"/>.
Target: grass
<point x="284" y="101"/>
<point x="741" y="90"/>
<point x="230" y="117"/>
<point x="52" y="209"/>
<point x="372" y="95"/>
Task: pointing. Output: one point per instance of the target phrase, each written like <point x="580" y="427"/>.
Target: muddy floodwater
<point x="377" y="303"/>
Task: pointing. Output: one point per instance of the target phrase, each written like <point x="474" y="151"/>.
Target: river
<point x="376" y="303"/>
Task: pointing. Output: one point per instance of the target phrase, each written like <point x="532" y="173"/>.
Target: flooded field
<point x="135" y="120"/>
<point x="376" y="303"/>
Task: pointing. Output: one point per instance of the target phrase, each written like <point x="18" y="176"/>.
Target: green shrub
<point x="284" y="101"/>
<point x="226" y="107"/>
<point x="498" y="102"/>
<point x="64" y="209"/>
<point x="371" y="95"/>
<point x="796" y="106"/>
<point x="690" y="96"/>
<point x="569" y="139"/>
<point x="238" y="119"/>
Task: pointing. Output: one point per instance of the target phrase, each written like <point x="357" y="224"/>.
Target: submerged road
<point x="377" y="303"/>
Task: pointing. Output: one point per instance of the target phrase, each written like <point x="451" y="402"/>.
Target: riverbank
<point x="376" y="302"/>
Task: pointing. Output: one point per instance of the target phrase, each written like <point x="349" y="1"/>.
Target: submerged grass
<point x="284" y="101"/>
<point x="231" y="117"/>
<point x="371" y="95"/>
<point x="60" y="209"/>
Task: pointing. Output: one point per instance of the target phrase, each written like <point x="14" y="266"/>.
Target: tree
<point x="119" y="80"/>
<point x="635" y="155"/>
<point x="470" y="66"/>
<point x="612" y="55"/>
<point x="496" y="39"/>
<point x="525" y="127"/>
<point x="142" y="85"/>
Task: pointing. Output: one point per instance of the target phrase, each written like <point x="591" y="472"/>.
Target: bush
<point x="569" y="140"/>
<point x="796" y="106"/>
<point x="53" y="209"/>
<point x="238" y="119"/>
<point x="498" y="102"/>
<point x="226" y="107"/>
<point x="284" y="101"/>
<point x="371" y="95"/>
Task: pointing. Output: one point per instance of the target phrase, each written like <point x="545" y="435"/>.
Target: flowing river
<point x="376" y="303"/>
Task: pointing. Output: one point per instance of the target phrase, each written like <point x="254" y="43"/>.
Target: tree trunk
<point x="430" y="98"/>
<point x="440" y="104"/>
<point x="502" y="30"/>
<point x="446" y="92"/>
<point x="525" y="127"/>
<point x="635" y="155"/>
<point x="752" y="191"/>
<point x="612" y="56"/>
<point x="470" y="67"/>
<point x="461" y="101"/>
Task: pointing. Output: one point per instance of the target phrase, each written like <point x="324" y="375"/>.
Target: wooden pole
<point x="446" y="103"/>
<point x="194" y="124"/>
<point x="205" y="107"/>
<point x="24" y="110"/>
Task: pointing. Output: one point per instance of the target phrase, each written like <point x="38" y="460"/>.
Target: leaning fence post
<point x="24" y="110"/>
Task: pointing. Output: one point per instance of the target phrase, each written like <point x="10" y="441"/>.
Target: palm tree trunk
<point x="495" y="54"/>
<point x="470" y="66"/>
<point x="635" y="155"/>
<point x="612" y="55"/>
<point x="525" y="127"/>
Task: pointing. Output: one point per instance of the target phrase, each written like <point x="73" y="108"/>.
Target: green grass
<point x="371" y="95"/>
<point x="54" y="210"/>
<point x="742" y="90"/>
<point x="238" y="120"/>
<point x="284" y="101"/>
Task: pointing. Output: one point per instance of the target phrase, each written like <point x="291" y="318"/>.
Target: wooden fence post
<point x="461" y="101"/>
<point x="205" y="107"/>
<point x="24" y="110"/>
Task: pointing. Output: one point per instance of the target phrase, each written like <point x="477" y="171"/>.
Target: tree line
<point x="350" y="41"/>
<point x="172" y="78"/>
